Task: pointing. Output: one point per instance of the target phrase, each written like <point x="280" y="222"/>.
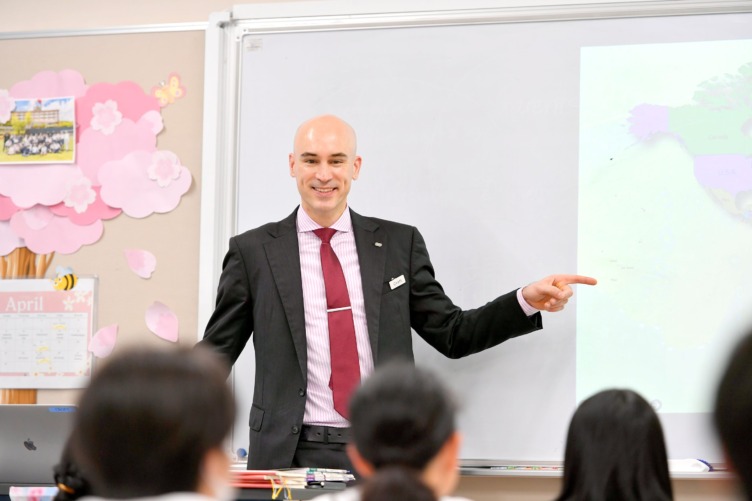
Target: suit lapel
<point x="284" y="261"/>
<point x="372" y="259"/>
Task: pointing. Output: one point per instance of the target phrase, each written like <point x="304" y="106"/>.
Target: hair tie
<point x="65" y="488"/>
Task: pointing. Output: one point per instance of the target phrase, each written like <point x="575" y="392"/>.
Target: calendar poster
<point x="45" y="333"/>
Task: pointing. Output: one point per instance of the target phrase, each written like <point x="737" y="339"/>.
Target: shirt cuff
<point x="529" y="310"/>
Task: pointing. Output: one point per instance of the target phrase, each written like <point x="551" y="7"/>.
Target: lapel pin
<point x="377" y="244"/>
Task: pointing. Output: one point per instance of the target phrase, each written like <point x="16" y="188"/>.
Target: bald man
<point x="273" y="285"/>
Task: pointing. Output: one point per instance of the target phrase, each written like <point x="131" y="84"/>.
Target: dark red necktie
<point x="342" y="347"/>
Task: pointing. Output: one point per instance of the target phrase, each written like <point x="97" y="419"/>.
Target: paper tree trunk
<point x="22" y="263"/>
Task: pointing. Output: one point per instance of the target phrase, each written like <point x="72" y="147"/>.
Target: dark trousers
<point x="321" y="455"/>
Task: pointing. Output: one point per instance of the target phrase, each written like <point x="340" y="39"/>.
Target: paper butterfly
<point x="168" y="92"/>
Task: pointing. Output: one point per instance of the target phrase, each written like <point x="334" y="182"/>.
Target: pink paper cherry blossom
<point x="96" y="149"/>
<point x="94" y="211"/>
<point x="131" y="101"/>
<point x="80" y="195"/>
<point x="103" y="342"/>
<point x="7" y="208"/>
<point x="153" y="120"/>
<point x="6" y="105"/>
<point x="164" y="168"/>
<point x="43" y="234"/>
<point x="106" y="117"/>
<point x="126" y="185"/>
<point x="50" y="84"/>
<point x="9" y="241"/>
<point x="162" y="321"/>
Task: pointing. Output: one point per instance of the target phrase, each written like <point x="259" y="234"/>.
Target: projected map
<point x="665" y="217"/>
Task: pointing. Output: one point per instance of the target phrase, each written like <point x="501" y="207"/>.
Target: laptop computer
<point x="32" y="438"/>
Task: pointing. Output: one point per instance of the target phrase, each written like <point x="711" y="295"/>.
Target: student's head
<point x="394" y="482"/>
<point x="733" y="412"/>
<point x="402" y="417"/>
<point x="324" y="163"/>
<point x="615" y="450"/>
<point x="154" y="422"/>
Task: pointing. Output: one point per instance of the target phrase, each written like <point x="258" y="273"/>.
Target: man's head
<point x="153" y="422"/>
<point x="402" y="416"/>
<point x="733" y="412"/>
<point x="324" y="163"/>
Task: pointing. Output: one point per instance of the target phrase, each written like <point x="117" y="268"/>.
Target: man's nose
<point x="324" y="173"/>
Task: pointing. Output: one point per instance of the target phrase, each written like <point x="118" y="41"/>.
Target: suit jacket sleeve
<point x="445" y="326"/>
<point x="231" y="324"/>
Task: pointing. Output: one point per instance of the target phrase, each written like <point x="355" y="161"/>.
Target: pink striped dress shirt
<point x="319" y="409"/>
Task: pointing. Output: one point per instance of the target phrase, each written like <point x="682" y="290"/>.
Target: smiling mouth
<point x="323" y="190"/>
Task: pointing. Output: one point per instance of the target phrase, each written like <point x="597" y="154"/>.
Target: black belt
<point x="325" y="434"/>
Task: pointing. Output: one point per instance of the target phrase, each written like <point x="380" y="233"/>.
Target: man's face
<point x="324" y="164"/>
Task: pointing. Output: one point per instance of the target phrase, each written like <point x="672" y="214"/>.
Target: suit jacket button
<point x="295" y="430"/>
<point x="301" y="392"/>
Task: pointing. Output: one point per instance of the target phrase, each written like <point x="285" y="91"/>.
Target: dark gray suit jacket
<point x="260" y="292"/>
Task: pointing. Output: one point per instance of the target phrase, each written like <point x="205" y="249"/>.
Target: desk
<point x="243" y="494"/>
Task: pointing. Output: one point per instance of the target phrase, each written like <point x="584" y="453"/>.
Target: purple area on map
<point x="732" y="173"/>
<point x="648" y="119"/>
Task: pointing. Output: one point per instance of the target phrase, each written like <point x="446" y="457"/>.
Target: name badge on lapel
<point x="396" y="282"/>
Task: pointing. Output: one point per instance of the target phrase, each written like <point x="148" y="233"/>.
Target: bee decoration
<point x="65" y="280"/>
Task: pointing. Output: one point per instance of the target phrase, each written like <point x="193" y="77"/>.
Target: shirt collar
<point x="305" y="223"/>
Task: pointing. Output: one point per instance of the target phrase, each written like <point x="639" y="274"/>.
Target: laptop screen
<point x="32" y="438"/>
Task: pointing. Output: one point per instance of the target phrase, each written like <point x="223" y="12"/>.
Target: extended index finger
<point x="561" y="280"/>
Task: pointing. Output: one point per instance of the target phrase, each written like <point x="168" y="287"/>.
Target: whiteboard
<point x="472" y="131"/>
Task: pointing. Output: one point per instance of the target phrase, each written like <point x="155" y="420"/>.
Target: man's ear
<point x="356" y="166"/>
<point x="362" y="466"/>
<point x="291" y="161"/>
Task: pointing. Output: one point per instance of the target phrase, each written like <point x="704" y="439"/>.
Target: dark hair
<point x="615" y="451"/>
<point x="69" y="480"/>
<point x="733" y="411"/>
<point x="395" y="482"/>
<point x="402" y="416"/>
<point x="148" y="419"/>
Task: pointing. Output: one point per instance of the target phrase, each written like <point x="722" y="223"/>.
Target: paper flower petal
<point x="103" y="342"/>
<point x="141" y="262"/>
<point x="162" y="321"/>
